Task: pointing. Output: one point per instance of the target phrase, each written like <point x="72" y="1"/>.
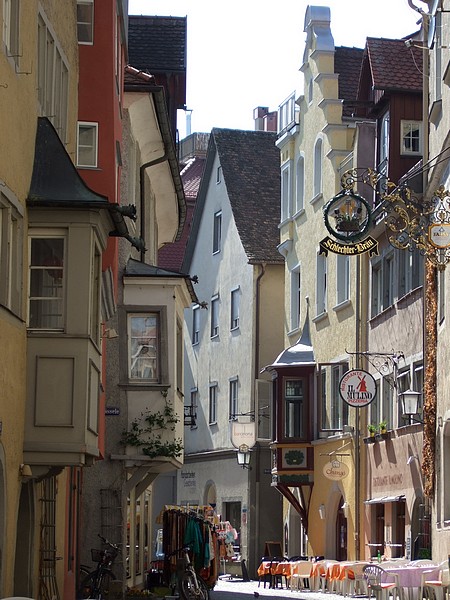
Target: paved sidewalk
<point x="236" y="589"/>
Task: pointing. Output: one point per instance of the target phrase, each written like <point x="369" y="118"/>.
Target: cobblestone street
<point x="236" y="589"/>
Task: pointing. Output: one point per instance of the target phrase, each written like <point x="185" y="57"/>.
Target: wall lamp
<point x="322" y="512"/>
<point x="410" y="405"/>
<point x="243" y="456"/>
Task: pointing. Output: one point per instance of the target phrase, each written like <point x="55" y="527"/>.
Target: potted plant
<point x="382" y="426"/>
<point x="372" y="429"/>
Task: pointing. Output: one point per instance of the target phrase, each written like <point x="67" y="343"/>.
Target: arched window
<point x="317" y="168"/>
<point x="300" y="185"/>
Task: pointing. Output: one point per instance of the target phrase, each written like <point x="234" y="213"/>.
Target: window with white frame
<point x="410" y="270"/>
<point x="383" y="153"/>
<point x="411" y="137"/>
<point x="11" y="249"/>
<point x="143" y="346"/>
<point x="441" y="296"/>
<point x="47" y="281"/>
<point x="387" y="412"/>
<point x="219" y="174"/>
<point x="85" y="21"/>
<point x="377" y="289"/>
<point x="300" y="185"/>
<point x="342" y="278"/>
<point x="217" y="231"/>
<point x="215" y="316"/>
<point x="95" y="314"/>
<point x="321" y="284"/>
<point x="233" y="400"/>
<point x="334" y="412"/>
<point x="286" y="191"/>
<point x="317" y="182"/>
<point x="437" y="55"/>
<point x="53" y="79"/>
<point x="295" y="297"/>
<point x="213" y="390"/>
<point x="11" y="22"/>
<point x="235" y="308"/>
<point x="389" y="281"/>
<point x="195" y="325"/>
<point x="87" y="144"/>
<point x="445" y="480"/>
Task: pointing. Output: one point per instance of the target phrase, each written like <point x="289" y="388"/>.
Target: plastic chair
<point x="355" y="581"/>
<point x="301" y="573"/>
<point x="266" y="576"/>
<point x="374" y="575"/>
<point x="439" y="586"/>
<point x="277" y="578"/>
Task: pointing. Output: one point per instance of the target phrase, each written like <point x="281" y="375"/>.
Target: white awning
<point x="384" y="499"/>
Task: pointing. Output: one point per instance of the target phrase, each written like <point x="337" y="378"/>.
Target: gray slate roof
<point x="251" y="171"/>
<point x="157" y="44"/>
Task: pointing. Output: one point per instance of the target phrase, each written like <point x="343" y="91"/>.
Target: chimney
<point x="265" y="120"/>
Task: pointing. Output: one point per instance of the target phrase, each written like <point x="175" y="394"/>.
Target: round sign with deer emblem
<point x="347" y="216"/>
<point x="357" y="388"/>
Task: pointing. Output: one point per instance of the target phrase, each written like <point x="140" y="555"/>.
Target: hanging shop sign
<point x="335" y="470"/>
<point x="357" y="388"/>
<point x="347" y="216"/>
<point x="243" y="433"/>
<point x="369" y="244"/>
<point x="439" y="235"/>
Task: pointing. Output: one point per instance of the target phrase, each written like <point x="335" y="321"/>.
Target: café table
<point x="410" y="576"/>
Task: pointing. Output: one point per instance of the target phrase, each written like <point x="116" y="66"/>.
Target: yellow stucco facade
<point x="20" y="81"/>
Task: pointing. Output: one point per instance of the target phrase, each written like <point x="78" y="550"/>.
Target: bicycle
<point x="191" y="586"/>
<point x="96" y="584"/>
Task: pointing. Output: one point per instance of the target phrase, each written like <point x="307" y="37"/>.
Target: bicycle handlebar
<point x="108" y="543"/>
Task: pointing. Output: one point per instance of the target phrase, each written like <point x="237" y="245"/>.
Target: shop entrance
<point x="341" y="533"/>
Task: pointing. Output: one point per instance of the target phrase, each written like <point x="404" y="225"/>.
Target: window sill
<point x="299" y="214"/>
<point x="215" y="336"/>
<point x="212" y="423"/>
<point x="342" y="305"/>
<point x="316" y="198"/>
<point x="294" y="331"/>
<point x="321" y="317"/>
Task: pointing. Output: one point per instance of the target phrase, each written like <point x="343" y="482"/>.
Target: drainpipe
<point x="256" y="376"/>
<point x="258" y="308"/>
<point x="142" y="170"/>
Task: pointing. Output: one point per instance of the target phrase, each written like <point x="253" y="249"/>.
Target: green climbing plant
<point x="146" y="432"/>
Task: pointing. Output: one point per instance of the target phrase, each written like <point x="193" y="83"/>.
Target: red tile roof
<point x="171" y="256"/>
<point x="393" y="65"/>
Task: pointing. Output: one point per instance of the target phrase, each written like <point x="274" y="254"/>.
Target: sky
<point x="242" y="54"/>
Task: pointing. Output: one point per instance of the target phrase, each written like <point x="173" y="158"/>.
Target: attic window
<point x="411" y="136"/>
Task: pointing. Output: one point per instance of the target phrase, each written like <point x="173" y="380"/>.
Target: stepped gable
<point x="347" y="63"/>
<point x="394" y="66"/>
<point x="157" y="44"/>
<point x="251" y="170"/>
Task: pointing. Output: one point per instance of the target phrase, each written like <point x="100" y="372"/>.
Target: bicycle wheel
<point x="96" y="586"/>
<point x="192" y="588"/>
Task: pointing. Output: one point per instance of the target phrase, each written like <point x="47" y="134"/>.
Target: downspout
<point x="142" y="169"/>
<point x="256" y="376"/>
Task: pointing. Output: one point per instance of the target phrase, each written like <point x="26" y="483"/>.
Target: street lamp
<point x="243" y="456"/>
<point x="410" y="405"/>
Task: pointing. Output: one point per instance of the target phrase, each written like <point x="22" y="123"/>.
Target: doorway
<point x="341" y="533"/>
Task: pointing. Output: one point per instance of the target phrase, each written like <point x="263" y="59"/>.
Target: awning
<point x="384" y="499"/>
